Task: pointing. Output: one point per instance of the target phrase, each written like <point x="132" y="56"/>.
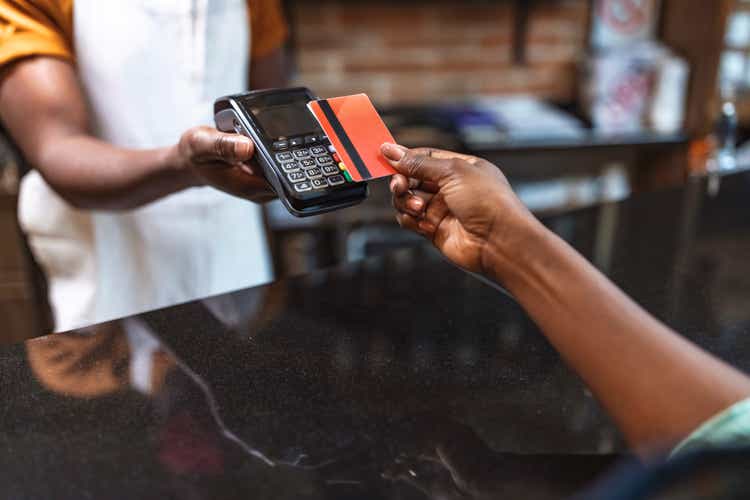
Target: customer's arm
<point x="43" y="108"/>
<point x="656" y="385"/>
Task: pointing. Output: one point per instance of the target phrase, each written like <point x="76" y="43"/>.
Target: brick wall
<point x="436" y="50"/>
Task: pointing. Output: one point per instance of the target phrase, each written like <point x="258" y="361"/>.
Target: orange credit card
<point x="356" y="130"/>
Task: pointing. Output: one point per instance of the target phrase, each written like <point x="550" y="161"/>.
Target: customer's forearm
<point x="655" y="384"/>
<point x="92" y="174"/>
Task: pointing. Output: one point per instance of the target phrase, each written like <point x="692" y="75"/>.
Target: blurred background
<point x="578" y="101"/>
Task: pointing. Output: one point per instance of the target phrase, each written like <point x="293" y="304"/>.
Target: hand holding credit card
<point x="356" y="130"/>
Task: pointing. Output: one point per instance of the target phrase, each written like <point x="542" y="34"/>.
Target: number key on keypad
<point x="330" y="170"/>
<point x="301" y="153"/>
<point x="284" y="157"/>
<point x="307" y="163"/>
<point x="319" y="183"/>
<point x="318" y="150"/>
<point x="313" y="173"/>
<point x="290" y="167"/>
<point x="296" y="176"/>
<point x="324" y="160"/>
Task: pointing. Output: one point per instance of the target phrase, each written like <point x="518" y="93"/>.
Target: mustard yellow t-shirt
<point x="45" y="27"/>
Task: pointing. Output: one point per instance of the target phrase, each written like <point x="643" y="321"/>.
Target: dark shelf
<point x="590" y="140"/>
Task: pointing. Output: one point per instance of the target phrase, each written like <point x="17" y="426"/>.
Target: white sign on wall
<point x="616" y="23"/>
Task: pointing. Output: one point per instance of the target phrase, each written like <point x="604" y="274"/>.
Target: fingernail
<point x="392" y="186"/>
<point x="393" y="151"/>
<point x="416" y="204"/>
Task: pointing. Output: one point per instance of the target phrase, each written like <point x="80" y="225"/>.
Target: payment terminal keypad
<point x="313" y="173"/>
<point x="310" y="163"/>
<point x="296" y="176"/>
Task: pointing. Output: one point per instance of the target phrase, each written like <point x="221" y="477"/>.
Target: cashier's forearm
<point x="92" y="174"/>
<point x="655" y="384"/>
<point x="43" y="108"/>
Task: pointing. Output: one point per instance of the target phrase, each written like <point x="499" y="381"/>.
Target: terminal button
<point x="336" y="180"/>
<point x="313" y="173"/>
<point x="302" y="186"/>
<point x="307" y="163"/>
<point x="330" y="170"/>
<point x="284" y="157"/>
<point x="295" y="176"/>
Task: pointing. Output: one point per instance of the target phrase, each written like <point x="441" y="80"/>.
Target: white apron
<point x="150" y="70"/>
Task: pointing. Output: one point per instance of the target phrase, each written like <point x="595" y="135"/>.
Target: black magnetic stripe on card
<point x="344" y="138"/>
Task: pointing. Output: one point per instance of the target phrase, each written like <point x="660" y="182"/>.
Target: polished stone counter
<point x="397" y="377"/>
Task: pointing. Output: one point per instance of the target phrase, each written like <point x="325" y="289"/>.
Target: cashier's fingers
<point x="251" y="168"/>
<point x="206" y="145"/>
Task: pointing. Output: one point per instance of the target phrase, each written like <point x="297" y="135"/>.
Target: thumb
<point x="208" y="144"/>
<point x="233" y="147"/>
<point x="417" y="164"/>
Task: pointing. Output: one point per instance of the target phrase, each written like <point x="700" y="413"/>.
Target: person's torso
<point x="150" y="70"/>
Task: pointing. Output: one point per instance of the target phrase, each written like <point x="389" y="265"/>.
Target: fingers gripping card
<point x="356" y="130"/>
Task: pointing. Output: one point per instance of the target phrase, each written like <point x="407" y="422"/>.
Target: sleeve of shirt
<point x="268" y="26"/>
<point x="35" y="27"/>
<point x="729" y="428"/>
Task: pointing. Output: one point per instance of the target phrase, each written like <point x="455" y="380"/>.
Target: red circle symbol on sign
<point x="625" y="16"/>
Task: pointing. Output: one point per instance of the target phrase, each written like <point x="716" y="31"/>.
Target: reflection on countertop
<point x="394" y="377"/>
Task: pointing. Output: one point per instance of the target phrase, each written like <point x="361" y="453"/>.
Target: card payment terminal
<point x="296" y="156"/>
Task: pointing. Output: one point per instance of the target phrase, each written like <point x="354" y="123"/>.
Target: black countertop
<point x="397" y="377"/>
